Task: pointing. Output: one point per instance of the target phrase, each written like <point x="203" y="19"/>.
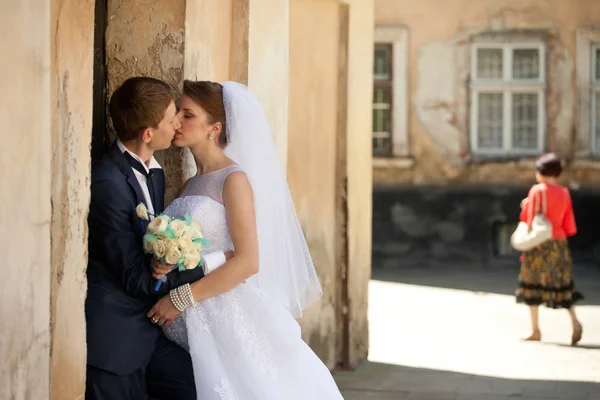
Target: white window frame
<point x="587" y="39"/>
<point x="507" y="86"/>
<point x="380" y="82"/>
<point x="397" y="36"/>
<point x="594" y="88"/>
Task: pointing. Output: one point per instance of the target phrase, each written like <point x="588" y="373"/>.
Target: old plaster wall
<point x="311" y="156"/>
<point x="72" y="38"/>
<point x="146" y="38"/>
<point x="359" y="176"/>
<point x="269" y="64"/>
<point x="25" y="189"/>
<point x="448" y="203"/>
<point x="438" y="65"/>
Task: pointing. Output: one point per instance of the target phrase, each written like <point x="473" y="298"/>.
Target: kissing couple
<point x="226" y="330"/>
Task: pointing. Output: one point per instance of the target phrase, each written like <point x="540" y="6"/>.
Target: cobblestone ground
<point x="451" y="333"/>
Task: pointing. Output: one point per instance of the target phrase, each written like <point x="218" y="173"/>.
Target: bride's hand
<point x="163" y="312"/>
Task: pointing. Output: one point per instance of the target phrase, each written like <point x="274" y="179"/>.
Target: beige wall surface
<point x="359" y="161"/>
<point x="25" y="182"/>
<point x="268" y="65"/>
<point x="311" y="156"/>
<point x="208" y="29"/>
<point x="329" y="157"/>
<point x="71" y="87"/>
<point x="440" y="33"/>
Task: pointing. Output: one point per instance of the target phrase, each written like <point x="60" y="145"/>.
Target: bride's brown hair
<point x="209" y="96"/>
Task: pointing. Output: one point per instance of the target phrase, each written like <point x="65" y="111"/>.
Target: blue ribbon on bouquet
<point x="163" y="279"/>
<point x="159" y="282"/>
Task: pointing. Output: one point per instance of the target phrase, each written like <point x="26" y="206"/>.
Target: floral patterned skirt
<point x="546" y="276"/>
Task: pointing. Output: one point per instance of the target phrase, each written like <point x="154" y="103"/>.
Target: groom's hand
<point x="158" y="269"/>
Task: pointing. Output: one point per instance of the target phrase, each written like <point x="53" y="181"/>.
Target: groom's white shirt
<point x="141" y="177"/>
<point x="212" y="260"/>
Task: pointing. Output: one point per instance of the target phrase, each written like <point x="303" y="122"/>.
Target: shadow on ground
<point x="497" y="279"/>
<point x="380" y="381"/>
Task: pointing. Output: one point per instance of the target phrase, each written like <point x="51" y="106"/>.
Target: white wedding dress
<point x="244" y="345"/>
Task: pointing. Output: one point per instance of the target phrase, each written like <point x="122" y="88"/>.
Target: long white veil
<point x="286" y="271"/>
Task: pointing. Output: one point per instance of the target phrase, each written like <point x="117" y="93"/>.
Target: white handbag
<point x="525" y="238"/>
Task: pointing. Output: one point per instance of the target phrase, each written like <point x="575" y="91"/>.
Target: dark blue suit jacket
<point x="120" y="338"/>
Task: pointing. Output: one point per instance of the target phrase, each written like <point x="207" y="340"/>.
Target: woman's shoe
<point x="577" y="332"/>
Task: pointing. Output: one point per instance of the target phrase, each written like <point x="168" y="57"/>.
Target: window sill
<point x="590" y="163"/>
<point x="525" y="161"/>
<point x="393" y="162"/>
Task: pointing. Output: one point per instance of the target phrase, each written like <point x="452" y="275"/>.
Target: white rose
<point x="184" y="243"/>
<point x="148" y="246"/>
<point x="191" y="260"/>
<point x="195" y="230"/>
<point x="169" y="243"/>
<point x="142" y="211"/>
<point x="196" y="247"/>
<point x="159" y="224"/>
<point x="178" y="227"/>
<point x="173" y="255"/>
<point x="159" y="249"/>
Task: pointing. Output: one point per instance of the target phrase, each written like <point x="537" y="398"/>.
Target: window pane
<point x="526" y="64"/>
<point x="489" y="64"/>
<point x="381" y="120"/>
<point x="382" y="63"/>
<point x="597" y="63"/>
<point x="382" y="95"/>
<point x="489" y="120"/>
<point x="597" y="121"/>
<point x="525" y="121"/>
<point x="381" y="146"/>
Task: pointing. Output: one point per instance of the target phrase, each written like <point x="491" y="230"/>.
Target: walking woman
<point x="546" y="271"/>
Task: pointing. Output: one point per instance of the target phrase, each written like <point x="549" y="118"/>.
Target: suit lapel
<point x="121" y="162"/>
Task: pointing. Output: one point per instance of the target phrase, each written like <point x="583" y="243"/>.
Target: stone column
<point x="72" y="38"/>
<point x="25" y="179"/>
<point x="312" y="159"/>
<point x="359" y="172"/>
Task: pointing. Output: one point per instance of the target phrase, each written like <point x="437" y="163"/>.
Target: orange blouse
<point x="559" y="209"/>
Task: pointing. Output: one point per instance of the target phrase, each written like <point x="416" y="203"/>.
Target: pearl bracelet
<point x="182" y="297"/>
<point x="174" y="295"/>
<point x="185" y="291"/>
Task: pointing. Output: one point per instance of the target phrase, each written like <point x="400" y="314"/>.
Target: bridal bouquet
<point x="176" y="241"/>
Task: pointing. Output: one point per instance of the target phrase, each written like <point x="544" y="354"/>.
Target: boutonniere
<point x="142" y="212"/>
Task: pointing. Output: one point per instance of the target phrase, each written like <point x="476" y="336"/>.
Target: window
<point x="382" y="100"/>
<point x="507" y="99"/>
<point x="587" y="140"/>
<point x="390" y="96"/>
<point x="595" y="97"/>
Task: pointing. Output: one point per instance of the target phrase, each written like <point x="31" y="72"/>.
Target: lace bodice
<point x="202" y="199"/>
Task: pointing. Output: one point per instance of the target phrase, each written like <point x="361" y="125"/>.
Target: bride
<point x="238" y="321"/>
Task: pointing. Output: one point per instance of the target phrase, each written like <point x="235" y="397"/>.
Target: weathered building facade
<point x="64" y="60"/>
<point x="467" y="94"/>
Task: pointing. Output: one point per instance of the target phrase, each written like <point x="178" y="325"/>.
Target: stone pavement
<point x="451" y="333"/>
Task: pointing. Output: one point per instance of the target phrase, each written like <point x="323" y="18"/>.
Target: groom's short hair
<point x="137" y="104"/>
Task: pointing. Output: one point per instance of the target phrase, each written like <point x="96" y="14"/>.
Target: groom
<point x="129" y="358"/>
